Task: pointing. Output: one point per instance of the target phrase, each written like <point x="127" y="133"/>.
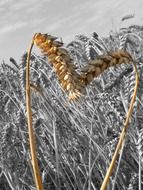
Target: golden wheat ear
<point x="103" y="62"/>
<point x="60" y="59"/>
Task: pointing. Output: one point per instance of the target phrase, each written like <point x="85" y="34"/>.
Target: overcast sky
<point x="20" y="19"/>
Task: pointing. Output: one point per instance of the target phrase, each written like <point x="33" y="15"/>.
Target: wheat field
<point x="80" y="96"/>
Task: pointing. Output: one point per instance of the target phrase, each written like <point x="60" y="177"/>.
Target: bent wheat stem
<point x="34" y="161"/>
<point x="122" y="135"/>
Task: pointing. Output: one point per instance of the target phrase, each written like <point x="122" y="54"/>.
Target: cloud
<point x="6" y="2"/>
<point x="10" y="28"/>
<point x="27" y="5"/>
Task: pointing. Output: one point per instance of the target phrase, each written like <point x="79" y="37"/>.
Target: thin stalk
<point x="140" y="155"/>
<point x="36" y="170"/>
<point x="119" y="162"/>
<point x="90" y="153"/>
<point x="140" y="178"/>
<point x="56" y="152"/>
<point x="123" y="133"/>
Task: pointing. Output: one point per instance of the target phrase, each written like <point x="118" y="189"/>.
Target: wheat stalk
<point x="122" y="135"/>
<point x="36" y="170"/>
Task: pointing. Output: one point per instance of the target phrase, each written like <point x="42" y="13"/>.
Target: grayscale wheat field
<point x="75" y="140"/>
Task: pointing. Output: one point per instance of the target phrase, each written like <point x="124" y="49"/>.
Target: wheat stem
<point x="34" y="161"/>
<point x="123" y="133"/>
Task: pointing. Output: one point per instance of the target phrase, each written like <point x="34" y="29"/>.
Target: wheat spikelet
<point x="62" y="63"/>
<point x="103" y="62"/>
<point x="129" y="16"/>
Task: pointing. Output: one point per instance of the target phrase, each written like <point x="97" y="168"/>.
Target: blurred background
<point x="21" y="19"/>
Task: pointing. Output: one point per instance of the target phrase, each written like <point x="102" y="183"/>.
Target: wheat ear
<point x="64" y="68"/>
<point x="103" y="62"/>
<point x="35" y="166"/>
<point x="122" y="135"/>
